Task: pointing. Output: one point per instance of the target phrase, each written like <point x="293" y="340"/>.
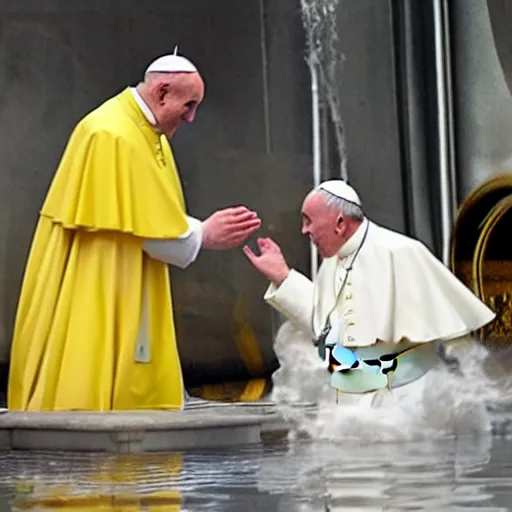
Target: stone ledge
<point x="138" y="431"/>
<point x="132" y="442"/>
<point x="5" y="440"/>
<point x="124" y="421"/>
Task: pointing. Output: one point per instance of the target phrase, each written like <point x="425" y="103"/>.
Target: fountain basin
<point x="198" y="426"/>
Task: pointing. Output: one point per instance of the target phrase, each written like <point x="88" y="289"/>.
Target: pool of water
<point x="465" y="473"/>
<point x="443" y="446"/>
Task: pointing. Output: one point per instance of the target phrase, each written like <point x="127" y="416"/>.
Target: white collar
<point x="354" y="241"/>
<point x="143" y="106"/>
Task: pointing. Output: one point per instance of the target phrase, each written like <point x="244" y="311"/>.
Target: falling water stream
<point x="324" y="57"/>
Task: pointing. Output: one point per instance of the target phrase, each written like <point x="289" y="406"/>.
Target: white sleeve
<point x="294" y="299"/>
<point x="181" y="251"/>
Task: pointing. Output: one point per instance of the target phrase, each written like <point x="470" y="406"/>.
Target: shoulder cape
<point x="118" y="174"/>
<point x="400" y="290"/>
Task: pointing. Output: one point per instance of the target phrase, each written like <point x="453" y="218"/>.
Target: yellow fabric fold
<point x="118" y="174"/>
<point x="87" y="277"/>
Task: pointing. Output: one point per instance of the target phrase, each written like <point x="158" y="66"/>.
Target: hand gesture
<point x="229" y="228"/>
<point x="270" y="262"/>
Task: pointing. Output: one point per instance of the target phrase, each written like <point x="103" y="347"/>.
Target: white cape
<point x="396" y="290"/>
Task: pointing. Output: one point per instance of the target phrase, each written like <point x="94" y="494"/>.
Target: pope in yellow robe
<point x="94" y="328"/>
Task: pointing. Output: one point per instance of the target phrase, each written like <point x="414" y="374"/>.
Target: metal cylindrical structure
<point x="481" y="252"/>
<point x="443" y="126"/>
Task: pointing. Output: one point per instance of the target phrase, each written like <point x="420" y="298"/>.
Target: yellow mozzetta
<point x="90" y="293"/>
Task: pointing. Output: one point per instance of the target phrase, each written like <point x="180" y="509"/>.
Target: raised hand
<point x="270" y="262"/>
<point x="229" y="228"/>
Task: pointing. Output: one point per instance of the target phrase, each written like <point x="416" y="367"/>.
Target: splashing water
<point x="440" y="404"/>
<point x="320" y="24"/>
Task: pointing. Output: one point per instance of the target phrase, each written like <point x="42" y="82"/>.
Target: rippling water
<point x="468" y="473"/>
<point x="446" y="446"/>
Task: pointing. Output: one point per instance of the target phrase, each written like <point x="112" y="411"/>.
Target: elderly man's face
<point x="323" y="225"/>
<point x="179" y="102"/>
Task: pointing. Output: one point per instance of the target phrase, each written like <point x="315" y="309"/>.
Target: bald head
<point x="173" y="97"/>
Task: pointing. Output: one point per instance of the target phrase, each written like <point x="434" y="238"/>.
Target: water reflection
<point x="468" y="473"/>
<point x="381" y="477"/>
<point x="124" y="482"/>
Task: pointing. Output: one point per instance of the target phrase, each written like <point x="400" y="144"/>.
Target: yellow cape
<point x="87" y="277"/>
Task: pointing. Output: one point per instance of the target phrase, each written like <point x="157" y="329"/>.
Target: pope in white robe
<point x="380" y="299"/>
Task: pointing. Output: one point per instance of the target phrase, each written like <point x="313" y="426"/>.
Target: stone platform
<point x="200" y="425"/>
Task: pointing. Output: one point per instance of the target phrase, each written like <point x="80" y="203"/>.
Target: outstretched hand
<point x="229" y="228"/>
<point x="270" y="262"/>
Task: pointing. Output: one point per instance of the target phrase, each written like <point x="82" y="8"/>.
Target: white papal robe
<point x="397" y="295"/>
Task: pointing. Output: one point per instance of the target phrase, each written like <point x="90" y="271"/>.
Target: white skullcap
<point x="173" y="63"/>
<point x="340" y="189"/>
